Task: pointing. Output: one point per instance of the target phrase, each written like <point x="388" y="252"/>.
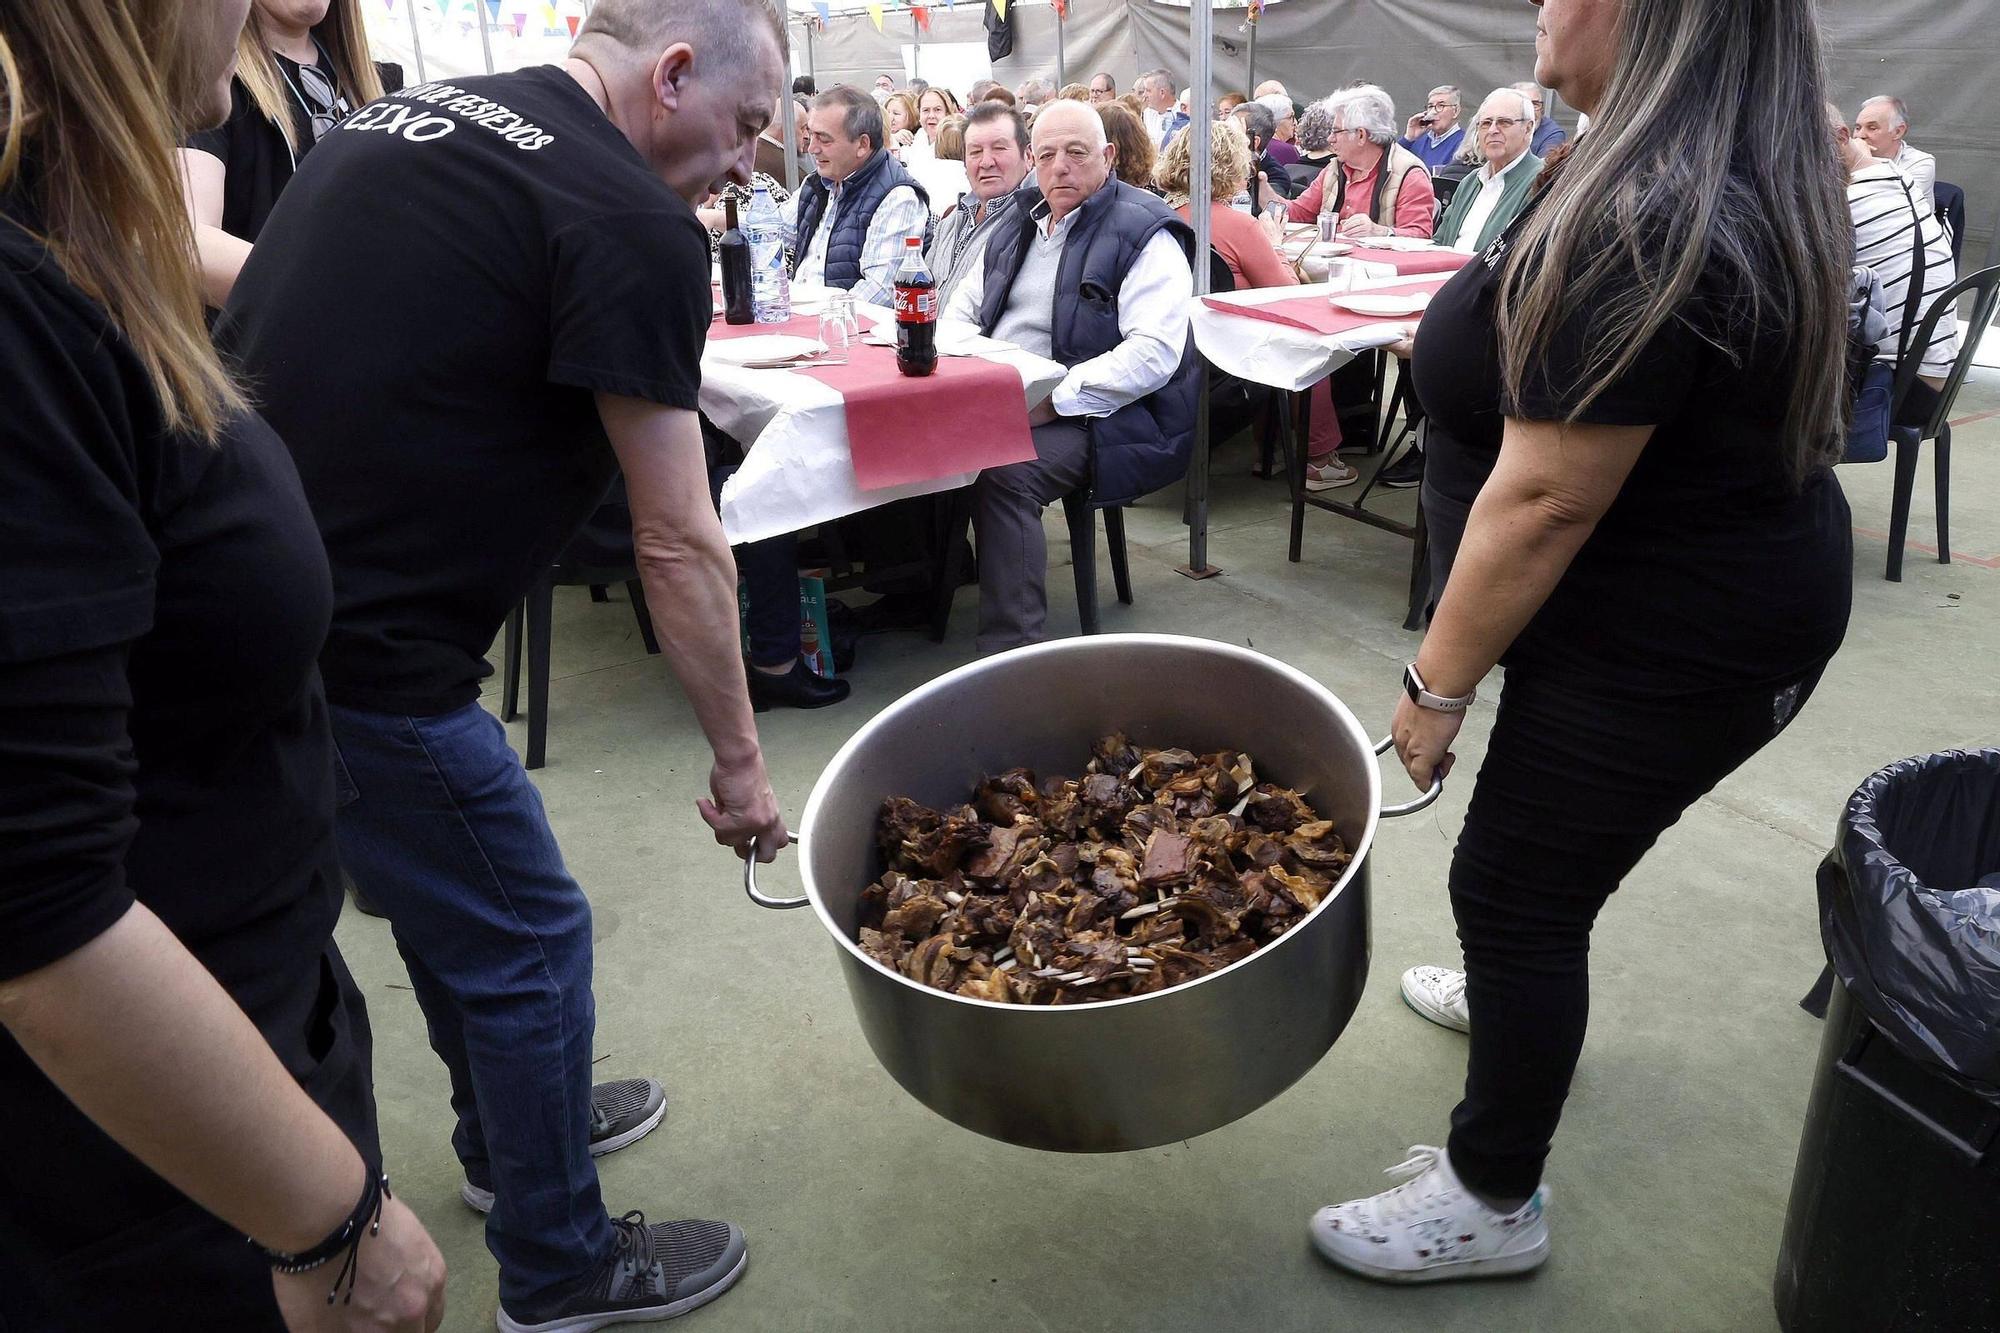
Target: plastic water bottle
<point x="770" y="283"/>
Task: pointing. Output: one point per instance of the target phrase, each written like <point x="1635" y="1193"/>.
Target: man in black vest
<point x="850" y="221"/>
<point x="1094" y="274"/>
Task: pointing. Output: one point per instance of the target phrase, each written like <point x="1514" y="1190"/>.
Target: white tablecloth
<point x="797" y="470"/>
<point x="1278" y="354"/>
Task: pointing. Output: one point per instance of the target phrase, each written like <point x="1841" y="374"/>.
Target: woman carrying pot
<point x="1634" y="395"/>
<point x="184" y="1059"/>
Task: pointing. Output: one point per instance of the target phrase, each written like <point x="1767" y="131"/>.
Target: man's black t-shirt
<point x="162" y="601"/>
<point x="449" y="280"/>
<point x="1711" y="570"/>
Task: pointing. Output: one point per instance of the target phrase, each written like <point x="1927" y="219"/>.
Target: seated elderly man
<point x="996" y="162"/>
<point x="1124" y="415"/>
<point x="1889" y="220"/>
<point x="1034" y="93"/>
<point x="1884" y="126"/>
<point x="1375" y="185"/>
<point x="1434" y="133"/>
<point x="1164" y="119"/>
<point x="1488" y="201"/>
<point x="849" y="222"/>
<point x="1548" y="135"/>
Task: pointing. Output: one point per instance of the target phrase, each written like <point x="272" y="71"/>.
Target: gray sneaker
<point x="621" y="1113"/>
<point x="655" y="1271"/>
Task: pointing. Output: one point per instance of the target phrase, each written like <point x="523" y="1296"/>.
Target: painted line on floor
<point x="1958" y="557"/>
<point x="1976" y="416"/>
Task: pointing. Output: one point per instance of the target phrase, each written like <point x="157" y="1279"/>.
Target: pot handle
<point x="1383" y="746"/>
<point x="764" y="899"/>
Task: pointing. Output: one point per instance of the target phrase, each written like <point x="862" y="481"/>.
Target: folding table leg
<point x="1301" y="442"/>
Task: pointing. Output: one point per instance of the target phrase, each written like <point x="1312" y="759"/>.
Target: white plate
<point x="1405" y="244"/>
<point x="763" y="350"/>
<point x="1385" y="305"/>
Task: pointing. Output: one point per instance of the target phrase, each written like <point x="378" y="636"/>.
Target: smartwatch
<point x="1420" y="695"/>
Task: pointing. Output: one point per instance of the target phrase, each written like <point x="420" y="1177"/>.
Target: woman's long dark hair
<point x="1709" y="147"/>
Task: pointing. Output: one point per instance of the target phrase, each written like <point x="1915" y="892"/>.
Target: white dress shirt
<point x="1920" y="170"/>
<point x="1152" y="314"/>
<point x="900" y="216"/>
<point x="1492" y="184"/>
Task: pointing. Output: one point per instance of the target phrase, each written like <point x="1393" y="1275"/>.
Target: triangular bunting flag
<point x="1062" y="10"/>
<point x="572" y="20"/>
<point x="922" y="15"/>
<point x="874" y="15"/>
<point x="825" y="14"/>
<point x="493" y="5"/>
<point x="1000" y="8"/>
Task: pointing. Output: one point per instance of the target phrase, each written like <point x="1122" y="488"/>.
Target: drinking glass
<point x="1340" y="275"/>
<point x="838" y="329"/>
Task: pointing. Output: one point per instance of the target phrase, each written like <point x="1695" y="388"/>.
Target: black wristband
<point x="366" y="1218"/>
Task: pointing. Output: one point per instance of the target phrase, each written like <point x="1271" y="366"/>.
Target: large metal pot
<point x="1127" y="1073"/>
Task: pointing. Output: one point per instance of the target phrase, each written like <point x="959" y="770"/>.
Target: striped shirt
<point x="1885" y="223"/>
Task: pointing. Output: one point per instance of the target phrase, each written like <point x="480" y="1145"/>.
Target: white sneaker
<point x="1438" y="993"/>
<point x="1430" y="1228"/>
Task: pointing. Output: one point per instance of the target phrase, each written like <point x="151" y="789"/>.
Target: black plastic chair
<point x="1950" y="202"/>
<point x="1984" y="288"/>
<point x="1446" y="180"/>
<point x="599" y="555"/>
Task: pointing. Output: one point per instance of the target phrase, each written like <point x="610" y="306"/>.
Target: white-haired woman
<point x="1634" y="401"/>
<point x="1375" y="186"/>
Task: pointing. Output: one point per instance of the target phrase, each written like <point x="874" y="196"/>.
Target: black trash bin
<point x="1894" y="1221"/>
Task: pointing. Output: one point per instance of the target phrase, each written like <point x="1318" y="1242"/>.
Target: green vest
<point x="1513" y="197"/>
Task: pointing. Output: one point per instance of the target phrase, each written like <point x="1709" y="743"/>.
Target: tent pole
<point x="812" y="70"/>
<point x="1062" y="65"/>
<point x="416" y="41"/>
<point x="917" y="48"/>
<point x="1250" y="82"/>
<point x="1201" y="115"/>
<point x="480" y="12"/>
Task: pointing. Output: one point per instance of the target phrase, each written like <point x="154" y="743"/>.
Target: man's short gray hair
<point x="1279" y="105"/>
<point x="1157" y="78"/>
<point x="1366" y="108"/>
<point x="1450" y="90"/>
<point x="645" y="28"/>
<point x="1532" y="91"/>
<point x="862" y="115"/>
<point x="1035" y="91"/>
<point x="1895" y="104"/>
<point x="1258" y="123"/>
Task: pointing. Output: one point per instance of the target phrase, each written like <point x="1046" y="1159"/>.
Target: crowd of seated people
<point x="912" y="159"/>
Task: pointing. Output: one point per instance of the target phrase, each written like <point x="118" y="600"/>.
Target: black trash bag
<point x="1910" y="910"/>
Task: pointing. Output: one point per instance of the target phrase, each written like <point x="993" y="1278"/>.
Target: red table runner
<point x="967" y="415"/>
<point x="798" y="326"/>
<point x="1409" y="263"/>
<point x="1315" y="314"/>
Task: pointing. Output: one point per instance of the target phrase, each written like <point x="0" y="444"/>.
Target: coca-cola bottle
<point x="916" y="312"/>
<point x="735" y="256"/>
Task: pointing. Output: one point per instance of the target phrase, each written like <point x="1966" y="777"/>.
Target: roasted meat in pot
<point x="1152" y="868"/>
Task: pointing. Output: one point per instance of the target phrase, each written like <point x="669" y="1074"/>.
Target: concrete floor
<point x="867" y="1212"/>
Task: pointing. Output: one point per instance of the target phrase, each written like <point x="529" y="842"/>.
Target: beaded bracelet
<point x="366" y="1217"/>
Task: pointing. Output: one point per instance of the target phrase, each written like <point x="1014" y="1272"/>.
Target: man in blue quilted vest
<point x="1094" y="274"/>
<point x="849" y="222"/>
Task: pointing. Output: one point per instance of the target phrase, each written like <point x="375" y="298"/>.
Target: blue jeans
<point x="446" y="834"/>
